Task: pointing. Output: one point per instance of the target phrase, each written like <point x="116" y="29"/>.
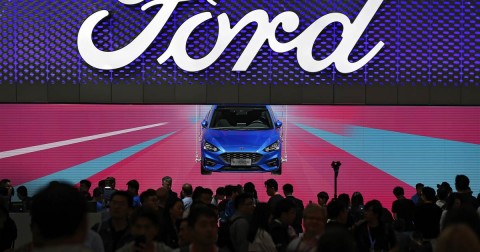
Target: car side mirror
<point x="204" y="124"/>
<point x="278" y="124"/>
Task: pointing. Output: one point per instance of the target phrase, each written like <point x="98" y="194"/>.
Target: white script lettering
<point x="265" y="32"/>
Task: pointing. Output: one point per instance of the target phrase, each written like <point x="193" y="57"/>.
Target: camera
<point x="336" y="165"/>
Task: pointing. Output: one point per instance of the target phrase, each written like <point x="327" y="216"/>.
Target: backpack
<point x="224" y="240"/>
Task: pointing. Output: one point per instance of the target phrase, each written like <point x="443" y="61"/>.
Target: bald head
<point x="187" y="190"/>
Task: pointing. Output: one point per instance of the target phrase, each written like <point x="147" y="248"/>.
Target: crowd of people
<point x="233" y="219"/>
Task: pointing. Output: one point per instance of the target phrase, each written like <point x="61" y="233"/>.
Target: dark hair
<point x="463" y="215"/>
<point x="272" y="183"/>
<point x="58" y="211"/>
<point x="428" y="193"/>
<point x="240" y="199"/>
<point x="167" y="179"/>
<point x="462" y="182"/>
<point x="398" y="191"/>
<point x="123" y="194"/>
<point x="323" y="195"/>
<point x="146" y="194"/>
<point x="197" y="193"/>
<point x="376" y="206"/>
<point x="220" y="191"/>
<point x="249" y="188"/>
<point x="198" y="211"/>
<point x="4" y="182"/>
<point x="419" y="185"/>
<point x="22" y="190"/>
<point x="334" y="208"/>
<point x="133" y="184"/>
<point x="208" y="191"/>
<point x="149" y="214"/>
<point x="229" y="190"/>
<point x="110" y="181"/>
<point x="288" y="188"/>
<point x="85" y="182"/>
<point x="259" y="220"/>
<point x="442" y="193"/>
<point x="101" y="183"/>
<point x="357" y="199"/>
<point x="345" y="198"/>
<point x="283" y="206"/>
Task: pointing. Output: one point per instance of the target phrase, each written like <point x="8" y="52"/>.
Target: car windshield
<point x="241" y="118"/>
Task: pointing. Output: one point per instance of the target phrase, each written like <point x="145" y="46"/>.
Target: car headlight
<point x="272" y="147"/>
<point x="209" y="147"/>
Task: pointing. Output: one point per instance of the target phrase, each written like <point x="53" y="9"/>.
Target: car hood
<point x="251" y="139"/>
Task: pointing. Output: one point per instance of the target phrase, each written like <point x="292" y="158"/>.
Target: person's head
<point x="149" y="199"/>
<point x="373" y="211"/>
<point x="97" y="194"/>
<point x="322" y="198"/>
<point x="145" y="222"/>
<point x="167" y="183"/>
<point x="345" y="198"/>
<point x="58" y="215"/>
<point x="453" y="201"/>
<point x="287" y="189"/>
<point x="220" y="193"/>
<point x="85" y="185"/>
<point x="6" y="183"/>
<point x="442" y="193"/>
<point x="101" y="184"/>
<point x="121" y="205"/>
<point x="203" y="223"/>
<point x="249" y="188"/>
<point x="398" y="191"/>
<point x="357" y="199"/>
<point x="314" y="219"/>
<point x="285" y="211"/>
<point x="229" y="191"/>
<point x="428" y="194"/>
<point x="110" y="182"/>
<point x="418" y="188"/>
<point x="22" y="192"/>
<point x="133" y="186"/>
<point x="462" y="183"/>
<point x="463" y="215"/>
<point x="174" y="208"/>
<point x="458" y="238"/>
<point x="272" y="187"/>
<point x="243" y="203"/>
<point x="187" y="190"/>
<point x="207" y="196"/>
<point x="337" y="210"/>
<point x="184" y="233"/>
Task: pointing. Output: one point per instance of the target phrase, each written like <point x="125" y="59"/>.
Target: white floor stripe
<point x="21" y="151"/>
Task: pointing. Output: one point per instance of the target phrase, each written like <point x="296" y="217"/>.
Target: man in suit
<point x="288" y="192"/>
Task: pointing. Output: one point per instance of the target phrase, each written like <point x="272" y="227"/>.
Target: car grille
<point x="241" y="169"/>
<point x="227" y="157"/>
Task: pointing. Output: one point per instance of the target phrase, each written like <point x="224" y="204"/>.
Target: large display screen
<point x="396" y="42"/>
<point x="379" y="147"/>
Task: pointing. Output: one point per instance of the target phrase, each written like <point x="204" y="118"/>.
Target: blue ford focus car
<point x="241" y="139"/>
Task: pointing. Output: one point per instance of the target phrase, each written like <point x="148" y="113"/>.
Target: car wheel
<point x="203" y="171"/>
<point x="278" y="171"/>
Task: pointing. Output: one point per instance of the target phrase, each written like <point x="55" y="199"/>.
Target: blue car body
<point x="241" y="138"/>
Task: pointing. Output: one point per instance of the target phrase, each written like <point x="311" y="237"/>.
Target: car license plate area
<point x="241" y="162"/>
